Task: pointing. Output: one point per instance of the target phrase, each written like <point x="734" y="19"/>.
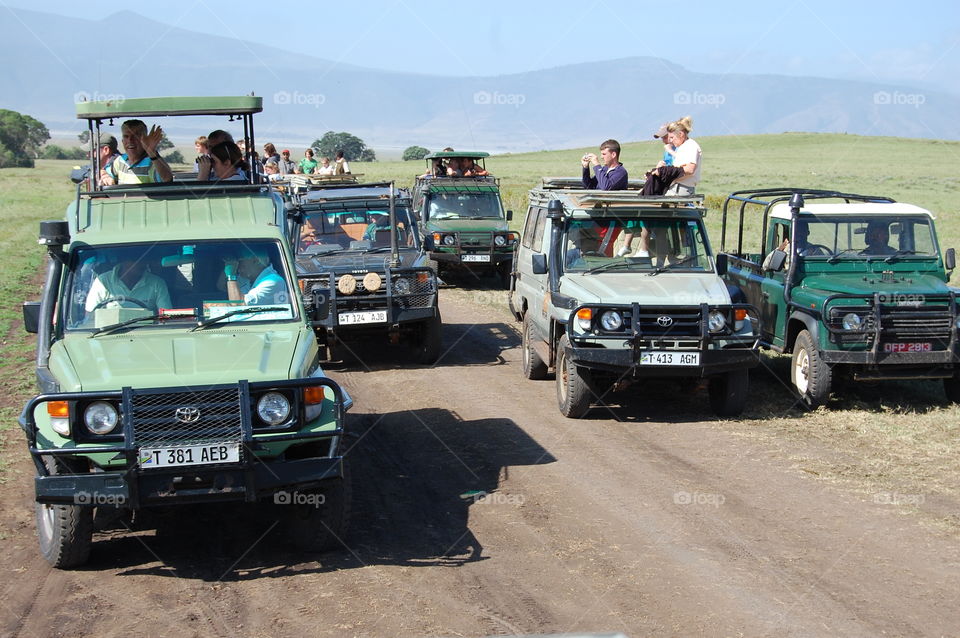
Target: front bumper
<point x="134" y="487"/>
<point x="711" y="362"/>
<point x="492" y="259"/>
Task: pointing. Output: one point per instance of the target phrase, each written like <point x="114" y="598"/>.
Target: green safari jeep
<point x="464" y="217"/>
<point x="849" y="284"/>
<point x="175" y="360"/>
<point x="614" y="287"/>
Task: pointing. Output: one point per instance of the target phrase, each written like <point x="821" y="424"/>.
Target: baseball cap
<point x="106" y="139"/>
<point x="661" y="132"/>
<point x="285" y="151"/>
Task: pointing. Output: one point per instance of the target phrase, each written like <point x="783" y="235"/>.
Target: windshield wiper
<point x="898" y="254"/>
<point x="116" y="326"/>
<point x="660" y="269"/>
<point x="608" y="266"/>
<point x="833" y="258"/>
<point x="239" y="311"/>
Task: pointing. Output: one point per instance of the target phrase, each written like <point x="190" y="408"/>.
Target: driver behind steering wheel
<point x="129" y="284"/>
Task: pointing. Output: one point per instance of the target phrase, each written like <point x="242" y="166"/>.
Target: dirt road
<point x="479" y="510"/>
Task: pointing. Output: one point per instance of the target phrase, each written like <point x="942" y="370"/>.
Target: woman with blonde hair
<point x="688" y="156"/>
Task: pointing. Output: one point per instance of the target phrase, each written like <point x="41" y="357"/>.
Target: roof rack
<point x="576" y="183"/>
<point x="449" y="154"/>
<point x="177" y="189"/>
<point x="768" y="197"/>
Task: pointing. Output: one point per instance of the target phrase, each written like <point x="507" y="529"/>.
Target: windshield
<point x="464" y="205"/>
<point x="171" y="282"/>
<point x="646" y="244"/>
<point x="863" y="236"/>
<point x="360" y="228"/>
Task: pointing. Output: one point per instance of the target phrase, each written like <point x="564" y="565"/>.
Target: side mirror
<point x="950" y="259"/>
<point x="775" y="260"/>
<point x="721" y="263"/>
<point x="538" y="263"/>
<point x="320" y="303"/>
<point x="428" y="244"/>
<point x="31" y="316"/>
<point x="78" y="175"/>
<point x="509" y="215"/>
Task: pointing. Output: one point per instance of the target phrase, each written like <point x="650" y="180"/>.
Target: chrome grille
<point x="476" y="238"/>
<point x="684" y="322"/>
<point x="186" y="418"/>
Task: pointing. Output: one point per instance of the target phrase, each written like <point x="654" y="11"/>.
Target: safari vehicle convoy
<point x="176" y="362"/>
<point x="599" y="319"/>
<point x="363" y="270"/>
<point x="850" y="284"/>
<point x="463" y="215"/>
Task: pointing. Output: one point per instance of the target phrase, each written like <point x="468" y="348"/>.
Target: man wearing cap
<point x="287" y="165"/>
<point x="141" y="164"/>
<point x="106" y="152"/>
<point x="252" y="279"/>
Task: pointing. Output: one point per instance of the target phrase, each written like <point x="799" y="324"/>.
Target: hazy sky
<point x="880" y="41"/>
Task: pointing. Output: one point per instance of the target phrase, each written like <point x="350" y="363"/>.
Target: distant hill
<point x="566" y="106"/>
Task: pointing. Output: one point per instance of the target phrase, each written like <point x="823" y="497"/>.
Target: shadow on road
<point x="415" y="475"/>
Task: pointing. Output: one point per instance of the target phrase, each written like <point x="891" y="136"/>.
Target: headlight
<point x="851" y="321"/>
<point x="585" y="319"/>
<point x="100" y="417"/>
<point x="611" y="321"/>
<point x="273" y="408"/>
<point x="716" y="321"/>
<point x="401" y="286"/>
<point x="449" y="240"/>
<point x="500" y="241"/>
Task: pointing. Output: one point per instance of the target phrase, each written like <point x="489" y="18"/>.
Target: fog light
<point x="372" y="282"/>
<point x="611" y="321"/>
<point x="346" y="285"/>
<point x="716" y="321"/>
<point x="100" y="417"/>
<point x="273" y="408"/>
<point x="851" y="321"/>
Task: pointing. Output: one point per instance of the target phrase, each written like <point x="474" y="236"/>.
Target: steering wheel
<point x="121" y="300"/>
<point x="816" y="250"/>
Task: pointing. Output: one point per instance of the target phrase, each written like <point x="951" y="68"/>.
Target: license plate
<point x="920" y="346"/>
<point x="657" y="358"/>
<point x="370" y="316"/>
<point x="475" y="257"/>
<point x="151" y="457"/>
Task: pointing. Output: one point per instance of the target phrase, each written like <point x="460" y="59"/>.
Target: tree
<point x="368" y="155"/>
<point x="351" y="145"/>
<point x="175" y="157"/>
<point x="21" y="138"/>
<point x="415" y="153"/>
<point x="52" y="151"/>
<point x="84" y="137"/>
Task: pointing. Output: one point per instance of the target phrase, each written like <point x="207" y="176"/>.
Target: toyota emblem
<point x="187" y="414"/>
<point x="664" y="321"/>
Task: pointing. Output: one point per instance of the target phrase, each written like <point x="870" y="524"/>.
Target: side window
<point x="779" y="231"/>
<point x="528" y="226"/>
<point x="538" y="231"/>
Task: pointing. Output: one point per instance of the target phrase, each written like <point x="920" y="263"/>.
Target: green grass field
<point x="899" y="436"/>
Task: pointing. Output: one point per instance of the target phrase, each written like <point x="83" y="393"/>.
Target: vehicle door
<point x="770" y="285"/>
<point x="532" y="288"/>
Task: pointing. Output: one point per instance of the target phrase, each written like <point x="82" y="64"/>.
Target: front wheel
<point x="728" y="392"/>
<point x="951" y="386"/>
<point x="573" y="390"/>
<point x="431" y="340"/>
<point x="65" y="532"/>
<point x="809" y="373"/>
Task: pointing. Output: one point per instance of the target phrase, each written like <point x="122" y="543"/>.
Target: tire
<point x="728" y="392"/>
<point x="951" y="386"/>
<point x="809" y="374"/>
<point x="573" y="390"/>
<point x="533" y="366"/>
<point x="65" y="532"/>
<point x="321" y="527"/>
<point x="431" y="340"/>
